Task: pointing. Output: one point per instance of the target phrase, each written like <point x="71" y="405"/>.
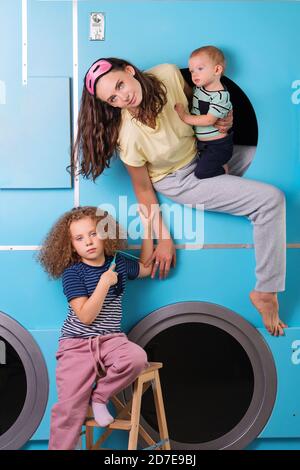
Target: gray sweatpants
<point x="262" y="204"/>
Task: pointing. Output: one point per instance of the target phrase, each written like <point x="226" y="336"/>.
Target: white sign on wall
<point x="97" y="26"/>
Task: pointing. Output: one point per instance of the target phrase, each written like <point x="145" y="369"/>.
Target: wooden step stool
<point x="132" y="410"/>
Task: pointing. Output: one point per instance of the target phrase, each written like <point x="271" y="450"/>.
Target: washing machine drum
<point x="23" y="384"/>
<point x="218" y="378"/>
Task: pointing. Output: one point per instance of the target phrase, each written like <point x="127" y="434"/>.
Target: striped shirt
<point x="216" y="103"/>
<point x="80" y="280"/>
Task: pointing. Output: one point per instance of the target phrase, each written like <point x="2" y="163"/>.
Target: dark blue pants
<point x="212" y="155"/>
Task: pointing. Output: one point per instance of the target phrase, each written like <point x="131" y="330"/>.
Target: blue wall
<point x="260" y="41"/>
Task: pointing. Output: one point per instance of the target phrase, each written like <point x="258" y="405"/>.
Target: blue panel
<point x="274" y="444"/>
<point x="36" y="445"/>
<point x="50" y="38"/>
<point x="27" y="215"/>
<point x="166" y="26"/>
<point x="39" y="114"/>
<point x="28" y="295"/>
<point x="285" y="419"/>
<point x="10" y="44"/>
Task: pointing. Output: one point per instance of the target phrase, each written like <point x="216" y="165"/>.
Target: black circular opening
<point x="207" y="381"/>
<point x="13" y="385"/>
<point x="245" y="128"/>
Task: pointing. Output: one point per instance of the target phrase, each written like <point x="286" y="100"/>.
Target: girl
<point x="133" y="112"/>
<point x="80" y="248"/>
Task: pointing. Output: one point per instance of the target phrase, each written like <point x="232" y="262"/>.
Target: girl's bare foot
<point x="266" y="304"/>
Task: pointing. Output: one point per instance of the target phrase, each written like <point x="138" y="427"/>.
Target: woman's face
<point x="120" y="89"/>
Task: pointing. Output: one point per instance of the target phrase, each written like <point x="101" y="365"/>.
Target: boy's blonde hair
<point x="215" y="54"/>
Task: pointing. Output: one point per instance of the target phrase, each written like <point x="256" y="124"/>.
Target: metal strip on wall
<point x="75" y="97"/>
<point x="206" y="246"/>
<point x="24" y="43"/>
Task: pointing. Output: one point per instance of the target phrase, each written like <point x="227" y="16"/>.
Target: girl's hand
<point x="223" y="125"/>
<point x="110" y="277"/>
<point x="179" y="108"/>
<point x="163" y="256"/>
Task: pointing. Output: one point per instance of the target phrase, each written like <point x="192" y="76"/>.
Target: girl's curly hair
<point x="57" y="252"/>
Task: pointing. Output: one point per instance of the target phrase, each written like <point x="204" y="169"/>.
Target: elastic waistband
<point x="98" y="341"/>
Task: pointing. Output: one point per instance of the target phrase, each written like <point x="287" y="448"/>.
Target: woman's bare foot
<point x="266" y="304"/>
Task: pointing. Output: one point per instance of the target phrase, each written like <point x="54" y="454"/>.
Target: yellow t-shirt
<point x="169" y="146"/>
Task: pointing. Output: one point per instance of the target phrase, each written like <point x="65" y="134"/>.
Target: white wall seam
<point x="24" y="43"/>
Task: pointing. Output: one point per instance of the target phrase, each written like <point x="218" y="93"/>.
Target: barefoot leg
<point x="266" y="304"/>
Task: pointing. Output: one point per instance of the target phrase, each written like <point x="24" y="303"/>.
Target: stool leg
<point x="89" y="437"/>
<point x="135" y="414"/>
<point x="160" y="411"/>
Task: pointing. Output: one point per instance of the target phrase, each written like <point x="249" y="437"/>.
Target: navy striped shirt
<point x="80" y="280"/>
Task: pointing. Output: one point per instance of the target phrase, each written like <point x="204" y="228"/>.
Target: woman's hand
<point x="163" y="256"/>
<point x="223" y="125"/>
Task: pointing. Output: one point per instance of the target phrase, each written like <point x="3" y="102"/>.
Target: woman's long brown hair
<point x="99" y="123"/>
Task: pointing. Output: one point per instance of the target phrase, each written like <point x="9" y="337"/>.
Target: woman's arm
<point x="164" y="254"/>
<point x="147" y="244"/>
<point x="188" y="91"/>
<point x="223" y="125"/>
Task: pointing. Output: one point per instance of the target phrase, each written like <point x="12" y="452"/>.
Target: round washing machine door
<point x="24" y="384"/>
<point x="218" y="378"/>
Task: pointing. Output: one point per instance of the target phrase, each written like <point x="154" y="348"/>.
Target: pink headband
<point x="96" y="71"/>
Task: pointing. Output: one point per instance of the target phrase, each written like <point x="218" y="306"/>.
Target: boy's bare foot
<point x="266" y="304"/>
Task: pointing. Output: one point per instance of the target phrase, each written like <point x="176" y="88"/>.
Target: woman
<point x="133" y="112"/>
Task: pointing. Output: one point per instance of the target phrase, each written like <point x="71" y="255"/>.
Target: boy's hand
<point x="223" y="125"/>
<point x="110" y="277"/>
<point x="179" y="108"/>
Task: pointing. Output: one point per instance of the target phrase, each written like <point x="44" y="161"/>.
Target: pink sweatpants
<point x="76" y="374"/>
